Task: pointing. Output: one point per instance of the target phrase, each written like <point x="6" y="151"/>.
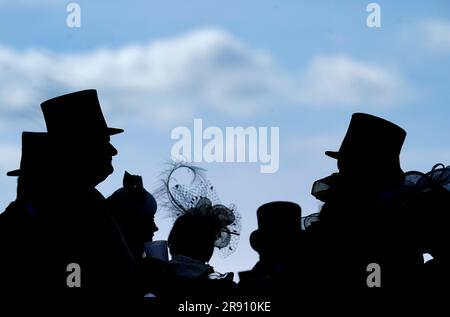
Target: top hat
<point x="76" y="114"/>
<point x="35" y="150"/>
<point x="276" y="218"/>
<point x="372" y="141"/>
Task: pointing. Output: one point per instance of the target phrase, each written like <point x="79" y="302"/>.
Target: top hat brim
<point x="333" y="154"/>
<point x="112" y="131"/>
<point x="13" y="173"/>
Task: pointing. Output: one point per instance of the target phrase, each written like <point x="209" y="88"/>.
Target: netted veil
<point x="196" y="194"/>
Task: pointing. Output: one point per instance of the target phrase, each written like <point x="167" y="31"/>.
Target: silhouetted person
<point x="78" y="226"/>
<point x="133" y="209"/>
<point x="362" y="220"/>
<point x="277" y="241"/>
<point x="191" y="244"/>
<point x="20" y="235"/>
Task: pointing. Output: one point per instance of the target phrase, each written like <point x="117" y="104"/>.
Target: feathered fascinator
<point x="185" y="190"/>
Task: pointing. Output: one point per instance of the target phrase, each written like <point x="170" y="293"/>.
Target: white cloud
<point x="432" y="36"/>
<point x="436" y="35"/>
<point x="171" y="79"/>
<point x="340" y="81"/>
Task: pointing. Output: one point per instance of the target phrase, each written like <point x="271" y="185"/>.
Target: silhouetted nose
<point x="112" y="150"/>
<point x="155" y="228"/>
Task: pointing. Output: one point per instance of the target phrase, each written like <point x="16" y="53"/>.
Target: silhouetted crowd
<point x="374" y="227"/>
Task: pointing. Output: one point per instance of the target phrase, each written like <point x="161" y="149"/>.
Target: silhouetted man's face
<point x="102" y="161"/>
<point x="93" y="164"/>
<point x="350" y="172"/>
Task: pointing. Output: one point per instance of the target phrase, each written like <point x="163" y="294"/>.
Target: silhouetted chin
<point x="105" y="172"/>
<point x="111" y="169"/>
<point x="108" y="171"/>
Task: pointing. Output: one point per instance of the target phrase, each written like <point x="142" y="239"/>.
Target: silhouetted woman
<point x="200" y="226"/>
<point x="133" y="208"/>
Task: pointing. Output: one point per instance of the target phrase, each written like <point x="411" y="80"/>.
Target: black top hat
<point x="276" y="218"/>
<point x="371" y="140"/>
<point x="35" y="148"/>
<point x="75" y="114"/>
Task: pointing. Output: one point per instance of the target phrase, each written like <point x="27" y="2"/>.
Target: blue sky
<point x="303" y="66"/>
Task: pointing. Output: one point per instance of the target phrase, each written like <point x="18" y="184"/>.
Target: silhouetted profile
<point x="78" y="129"/>
<point x="134" y="208"/>
<point x="78" y="226"/>
<point x="362" y="220"/>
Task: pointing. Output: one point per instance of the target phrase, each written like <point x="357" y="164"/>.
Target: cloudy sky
<point x="302" y="66"/>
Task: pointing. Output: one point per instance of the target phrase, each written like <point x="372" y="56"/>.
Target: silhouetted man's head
<point x="279" y="225"/>
<point x="36" y="166"/>
<point x="93" y="161"/>
<point x="194" y="236"/>
<point x="372" y="147"/>
<point x="80" y="136"/>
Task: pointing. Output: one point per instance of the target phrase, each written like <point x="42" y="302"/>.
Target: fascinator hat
<point x="185" y="190"/>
